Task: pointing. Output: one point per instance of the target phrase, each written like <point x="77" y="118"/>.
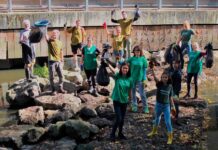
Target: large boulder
<point x="71" y="87"/>
<point x="105" y="110"/>
<point x="100" y="122"/>
<point x="59" y="101"/>
<point x="22" y="93"/>
<point x="13" y="136"/>
<point x="91" y="100"/>
<point x="87" y="112"/>
<point x="74" y="77"/>
<point x="31" y="115"/>
<point x="62" y="144"/>
<point x="33" y="135"/>
<point x="80" y="130"/>
<point x="56" y="131"/>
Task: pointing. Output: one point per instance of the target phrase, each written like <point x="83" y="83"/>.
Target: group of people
<point x="132" y="69"/>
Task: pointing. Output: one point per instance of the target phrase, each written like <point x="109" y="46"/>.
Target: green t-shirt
<point x="164" y="92"/>
<point x="137" y="67"/>
<point x="194" y="63"/>
<point x="186" y="35"/>
<point x="90" y="57"/>
<point x="121" y="89"/>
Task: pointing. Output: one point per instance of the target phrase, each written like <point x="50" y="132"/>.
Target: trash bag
<point x="103" y="78"/>
<point x="36" y="35"/>
<point x="209" y="55"/>
<point x="172" y="53"/>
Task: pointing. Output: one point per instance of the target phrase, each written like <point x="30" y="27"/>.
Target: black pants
<point x="120" y="111"/>
<point x="177" y="106"/>
<point x="90" y="74"/>
<point x="189" y="78"/>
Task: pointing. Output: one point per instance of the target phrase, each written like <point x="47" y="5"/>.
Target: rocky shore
<point x="78" y="120"/>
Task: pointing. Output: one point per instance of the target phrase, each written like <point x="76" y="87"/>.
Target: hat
<point x="41" y="23"/>
<point x="106" y="46"/>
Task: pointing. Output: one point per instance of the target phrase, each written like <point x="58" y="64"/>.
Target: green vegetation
<point x="41" y="71"/>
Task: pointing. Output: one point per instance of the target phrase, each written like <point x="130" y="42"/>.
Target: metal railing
<point x="53" y="5"/>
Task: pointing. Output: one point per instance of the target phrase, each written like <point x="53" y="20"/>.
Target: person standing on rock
<point x="163" y="100"/>
<point x="121" y="95"/>
<point x="89" y="61"/>
<point x="118" y="40"/>
<point x="194" y="66"/>
<point x="126" y="28"/>
<point x="138" y="64"/>
<point x="55" y="60"/>
<point x="185" y="39"/>
<point x="28" y="51"/>
<point x="77" y="38"/>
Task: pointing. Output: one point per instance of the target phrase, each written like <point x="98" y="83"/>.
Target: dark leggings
<point x="120" y="111"/>
<point x="177" y="106"/>
<point x="189" y="78"/>
<point x="90" y="74"/>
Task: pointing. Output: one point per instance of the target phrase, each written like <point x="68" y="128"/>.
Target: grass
<point x="41" y="71"/>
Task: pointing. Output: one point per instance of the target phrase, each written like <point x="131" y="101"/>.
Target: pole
<point x="87" y="5"/>
<point x="10" y="5"/>
<point x="196" y="4"/>
<point x="160" y="4"/>
<point x="121" y="4"/>
<point x="49" y="5"/>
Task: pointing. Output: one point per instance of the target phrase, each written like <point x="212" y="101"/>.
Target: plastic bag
<point x="103" y="78"/>
<point x="36" y="35"/>
<point x="209" y="57"/>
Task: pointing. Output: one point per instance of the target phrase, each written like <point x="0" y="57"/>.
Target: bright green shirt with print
<point x="121" y="89"/>
<point x="90" y="57"/>
<point x="194" y="63"/>
<point x="138" y="67"/>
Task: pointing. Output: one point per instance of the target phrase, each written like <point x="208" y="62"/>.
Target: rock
<point x="33" y="135"/>
<point x="62" y="144"/>
<point x="56" y="131"/>
<point x="87" y="112"/>
<point x="22" y="94"/>
<point x="4" y="148"/>
<point x="59" y="101"/>
<point x="80" y="130"/>
<point x="50" y="114"/>
<point x="13" y="136"/>
<point x="71" y="87"/>
<point x="43" y="83"/>
<point x="85" y="147"/>
<point x="100" y="122"/>
<point x="193" y="103"/>
<point x="91" y="100"/>
<point x="74" y="77"/>
<point x="105" y="110"/>
<point x="32" y="115"/>
<point x="61" y="115"/>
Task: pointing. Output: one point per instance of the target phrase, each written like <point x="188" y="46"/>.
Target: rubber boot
<point x="31" y="73"/>
<point x="153" y="132"/>
<point x="170" y="138"/>
<point x="27" y="74"/>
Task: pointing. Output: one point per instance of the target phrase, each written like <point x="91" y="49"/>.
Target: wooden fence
<point x="151" y="37"/>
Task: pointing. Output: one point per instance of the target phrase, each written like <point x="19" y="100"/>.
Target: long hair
<point x="169" y="78"/>
<point x="186" y="25"/>
<point x="138" y="48"/>
<point x="128" y="73"/>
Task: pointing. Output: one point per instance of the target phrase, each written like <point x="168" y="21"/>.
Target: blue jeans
<point x="163" y="108"/>
<point x="185" y="49"/>
<point x="140" y="86"/>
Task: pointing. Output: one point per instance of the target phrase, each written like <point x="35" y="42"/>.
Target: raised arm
<point x="83" y="34"/>
<point x="112" y="17"/>
<point x="155" y="77"/>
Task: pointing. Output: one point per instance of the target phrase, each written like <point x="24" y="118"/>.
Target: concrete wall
<point x="96" y="18"/>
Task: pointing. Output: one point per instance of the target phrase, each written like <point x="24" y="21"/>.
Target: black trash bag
<point x="36" y="35"/>
<point x="103" y="78"/>
<point x="172" y="53"/>
<point x="209" y="55"/>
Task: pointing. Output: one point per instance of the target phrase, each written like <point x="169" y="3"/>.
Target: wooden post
<point x="49" y="5"/>
<point x="87" y="5"/>
<point x="10" y="5"/>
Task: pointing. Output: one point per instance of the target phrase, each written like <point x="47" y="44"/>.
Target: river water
<point x="208" y="90"/>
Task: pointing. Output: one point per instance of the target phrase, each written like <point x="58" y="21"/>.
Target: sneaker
<point x="94" y="93"/>
<point x="53" y="93"/>
<point x="134" y="108"/>
<point x="61" y="90"/>
<point x="146" y="110"/>
<point x="90" y="89"/>
<point x="195" y="97"/>
<point x="186" y="96"/>
<point x="121" y="136"/>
